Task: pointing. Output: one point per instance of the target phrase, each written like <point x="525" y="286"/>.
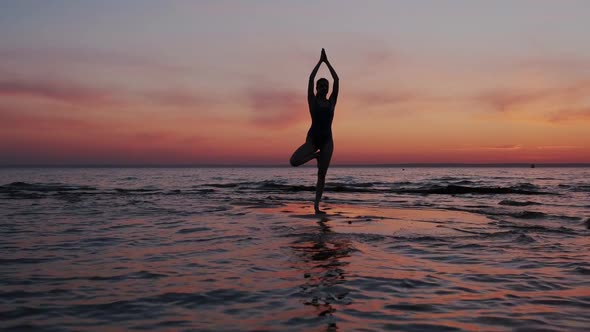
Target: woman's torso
<point x="322" y="114"/>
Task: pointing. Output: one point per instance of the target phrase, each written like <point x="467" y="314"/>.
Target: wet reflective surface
<point x="238" y="249"/>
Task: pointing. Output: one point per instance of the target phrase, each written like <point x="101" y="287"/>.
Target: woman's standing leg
<point x="324" y="157"/>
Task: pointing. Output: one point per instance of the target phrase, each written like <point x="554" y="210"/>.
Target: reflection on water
<point x="322" y="261"/>
<point x="236" y="249"/>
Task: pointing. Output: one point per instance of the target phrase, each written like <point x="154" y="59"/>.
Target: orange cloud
<point x="562" y="115"/>
<point x="145" y="121"/>
<point x="56" y="90"/>
<point x="505" y="147"/>
<point x="506" y="100"/>
<point x="510" y="100"/>
<point x="559" y="147"/>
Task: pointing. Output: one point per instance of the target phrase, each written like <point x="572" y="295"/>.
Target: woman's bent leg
<point x="303" y="154"/>
<point x="324" y="157"/>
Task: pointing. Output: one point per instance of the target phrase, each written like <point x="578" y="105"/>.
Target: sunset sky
<point x="224" y="82"/>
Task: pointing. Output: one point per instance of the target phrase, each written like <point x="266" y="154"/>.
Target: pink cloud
<point x="370" y="99"/>
<point x="180" y="98"/>
<point x="20" y="119"/>
<point x="277" y="109"/>
<point x="553" y="64"/>
<point x="78" y="94"/>
<point x="67" y="56"/>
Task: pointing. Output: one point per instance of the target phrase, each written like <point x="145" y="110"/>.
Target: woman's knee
<point x="294" y="161"/>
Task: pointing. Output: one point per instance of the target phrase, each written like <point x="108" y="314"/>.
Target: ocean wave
<point x="23" y="190"/>
<point x="451" y="189"/>
<point x="421" y="238"/>
<point x="221" y="185"/>
<point x="528" y="214"/>
<point x="525" y="239"/>
<point x="193" y="230"/>
<point x="581" y="188"/>
<point x="525" y="214"/>
<point x="463" y="182"/>
<point x="10" y="261"/>
<point x="129" y="178"/>
<point x="41" y="187"/>
<point x="518" y="229"/>
<point x="137" y="190"/>
<point x="526" y="186"/>
<point x="448" y="178"/>
<point x="70" y="192"/>
<point x="575" y="188"/>
<point x="517" y="203"/>
<point x="356" y="184"/>
<point x="461" y="190"/>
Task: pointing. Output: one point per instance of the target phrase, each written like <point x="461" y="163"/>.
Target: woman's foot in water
<point x="317" y="210"/>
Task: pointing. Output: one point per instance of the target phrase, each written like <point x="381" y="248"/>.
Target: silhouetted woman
<point x="318" y="144"/>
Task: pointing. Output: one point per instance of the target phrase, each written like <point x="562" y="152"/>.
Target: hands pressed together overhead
<point x="323" y="57"/>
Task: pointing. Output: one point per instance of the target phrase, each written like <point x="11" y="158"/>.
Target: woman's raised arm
<point x="310" y="94"/>
<point x="336" y="85"/>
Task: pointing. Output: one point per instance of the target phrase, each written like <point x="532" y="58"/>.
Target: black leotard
<point x="321" y="123"/>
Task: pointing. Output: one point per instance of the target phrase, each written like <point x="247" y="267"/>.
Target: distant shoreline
<point x="406" y="165"/>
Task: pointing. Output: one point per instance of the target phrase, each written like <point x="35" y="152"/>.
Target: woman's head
<point x="321" y="87"/>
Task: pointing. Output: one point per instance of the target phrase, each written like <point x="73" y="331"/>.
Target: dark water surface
<point x="233" y="249"/>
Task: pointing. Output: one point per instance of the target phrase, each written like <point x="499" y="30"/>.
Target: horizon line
<point x="398" y="165"/>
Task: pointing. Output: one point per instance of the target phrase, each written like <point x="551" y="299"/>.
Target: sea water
<point x="234" y="249"/>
